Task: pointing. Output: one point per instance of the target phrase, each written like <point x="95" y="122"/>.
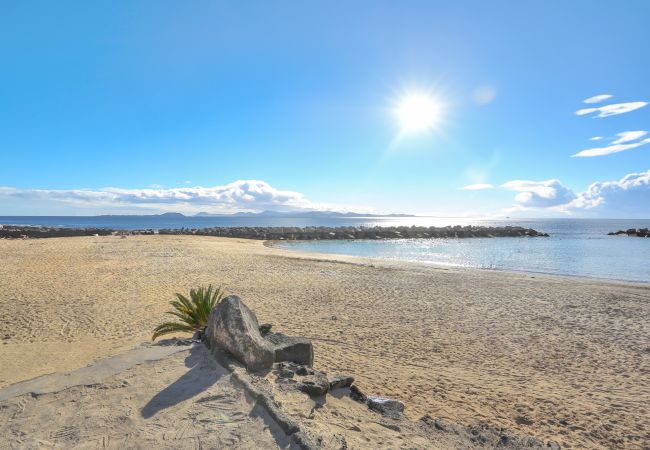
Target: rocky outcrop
<point x="641" y="232"/>
<point x="234" y="328"/>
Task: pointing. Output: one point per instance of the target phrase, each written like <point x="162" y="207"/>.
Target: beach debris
<point x="291" y="348"/>
<point x="233" y="327"/>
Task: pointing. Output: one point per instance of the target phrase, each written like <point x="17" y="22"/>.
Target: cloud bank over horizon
<point x="627" y="197"/>
<point x="240" y="195"/>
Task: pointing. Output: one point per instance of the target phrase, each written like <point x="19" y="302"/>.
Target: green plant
<point x="193" y="312"/>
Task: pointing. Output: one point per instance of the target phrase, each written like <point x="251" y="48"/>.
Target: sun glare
<point x="417" y="112"/>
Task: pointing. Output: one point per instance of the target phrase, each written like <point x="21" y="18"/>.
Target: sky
<point x="531" y="109"/>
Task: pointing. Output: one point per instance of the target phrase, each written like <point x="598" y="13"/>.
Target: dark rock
<point x="234" y="328"/>
<point x="386" y="406"/>
<point x="302" y="370"/>
<point x="314" y="385"/>
<point x="265" y="329"/>
<point x="285" y="373"/>
<point x="291" y="348"/>
<point x="199" y="334"/>
<point x="357" y="395"/>
<point x="552" y="445"/>
<point x="341" y="381"/>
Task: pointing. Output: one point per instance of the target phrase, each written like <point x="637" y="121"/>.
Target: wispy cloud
<point x="596" y="138"/>
<point x="612" y="110"/>
<point x="628" y="136"/>
<point x="478" y="187"/>
<point x="241" y="195"/>
<point x="597" y="98"/>
<point x="608" y="150"/>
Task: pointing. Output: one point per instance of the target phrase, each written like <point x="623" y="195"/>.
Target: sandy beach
<point x="557" y="358"/>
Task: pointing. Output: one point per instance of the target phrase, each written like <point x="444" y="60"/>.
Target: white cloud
<point x="627" y="197"/>
<point x="478" y="186"/>
<point x="614" y="148"/>
<point x="612" y="110"/>
<point x="540" y="194"/>
<point x="242" y="195"/>
<point x="597" y="98"/>
<point x="628" y="136"/>
<point x="596" y="138"/>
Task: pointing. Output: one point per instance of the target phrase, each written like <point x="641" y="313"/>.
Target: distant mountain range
<point x="298" y="214"/>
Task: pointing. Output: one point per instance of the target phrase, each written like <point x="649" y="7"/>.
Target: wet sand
<point x="558" y="358"/>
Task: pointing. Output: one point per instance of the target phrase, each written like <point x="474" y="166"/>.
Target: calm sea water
<point x="577" y="247"/>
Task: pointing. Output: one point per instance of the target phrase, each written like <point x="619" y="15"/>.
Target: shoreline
<point x="325" y="256"/>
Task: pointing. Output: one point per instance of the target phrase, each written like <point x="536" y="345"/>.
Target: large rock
<point x="291" y="348"/>
<point x="233" y="327"/>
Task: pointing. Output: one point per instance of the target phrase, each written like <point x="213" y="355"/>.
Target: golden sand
<point x="557" y="358"/>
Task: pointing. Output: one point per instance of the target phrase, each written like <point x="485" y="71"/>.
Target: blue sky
<point x="152" y="106"/>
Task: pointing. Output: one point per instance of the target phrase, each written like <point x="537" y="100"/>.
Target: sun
<point x="417" y="112"/>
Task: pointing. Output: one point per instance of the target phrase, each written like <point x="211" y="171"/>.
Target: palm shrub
<point x="193" y="312"/>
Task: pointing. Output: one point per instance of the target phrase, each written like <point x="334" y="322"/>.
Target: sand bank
<point x="557" y="358"/>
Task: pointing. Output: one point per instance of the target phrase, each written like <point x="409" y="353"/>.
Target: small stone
<point x="357" y="395"/>
<point x="386" y="406"/>
<point x="285" y="373"/>
<point x="314" y="385"/>
<point x="552" y="445"/>
<point x="341" y="381"/>
<point x="303" y="371"/>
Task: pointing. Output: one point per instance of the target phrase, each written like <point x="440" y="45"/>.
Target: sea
<point x="576" y="247"/>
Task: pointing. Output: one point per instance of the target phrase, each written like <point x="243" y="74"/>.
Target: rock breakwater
<point x="287" y="233"/>
<point x="641" y="232"/>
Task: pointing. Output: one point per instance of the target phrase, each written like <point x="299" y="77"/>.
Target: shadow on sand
<point x="198" y="379"/>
